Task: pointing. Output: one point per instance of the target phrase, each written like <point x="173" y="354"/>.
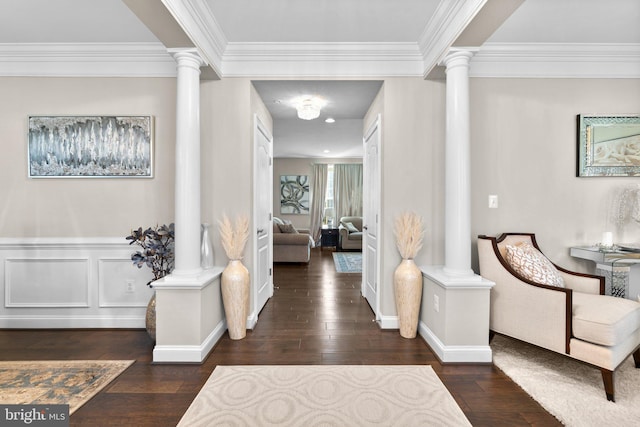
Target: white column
<point x="457" y="166"/>
<point x="187" y="184"/>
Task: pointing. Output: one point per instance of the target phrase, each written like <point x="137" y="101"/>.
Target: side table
<point x="329" y="237"/>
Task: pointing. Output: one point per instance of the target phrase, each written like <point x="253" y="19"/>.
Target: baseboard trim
<point x="389" y="322"/>
<point x="189" y="353"/>
<point x="68" y="322"/>
<point x="455" y="353"/>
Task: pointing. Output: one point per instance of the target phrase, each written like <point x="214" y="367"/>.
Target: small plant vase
<point x="235" y="297"/>
<point x="407" y="282"/>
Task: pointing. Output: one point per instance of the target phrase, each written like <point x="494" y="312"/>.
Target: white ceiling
<point x="316" y="38"/>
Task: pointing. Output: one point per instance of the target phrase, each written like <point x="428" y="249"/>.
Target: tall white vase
<point x="407" y="283"/>
<point x="235" y="297"/>
<point x="206" y="248"/>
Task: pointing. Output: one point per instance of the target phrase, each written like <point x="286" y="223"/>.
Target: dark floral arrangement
<point x="157" y="249"/>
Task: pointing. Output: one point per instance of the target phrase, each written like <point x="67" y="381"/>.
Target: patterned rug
<point x="571" y="391"/>
<point x="348" y="262"/>
<point x="71" y="382"/>
<point x="324" y="396"/>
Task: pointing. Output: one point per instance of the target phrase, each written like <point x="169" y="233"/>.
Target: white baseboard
<point x="71" y="322"/>
<point x="455" y="353"/>
<point x="389" y="322"/>
<point x="189" y="353"/>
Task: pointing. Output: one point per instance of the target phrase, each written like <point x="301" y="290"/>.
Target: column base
<point x="189" y="316"/>
<point x="454" y="316"/>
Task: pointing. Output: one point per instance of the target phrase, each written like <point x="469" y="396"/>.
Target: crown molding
<point x="198" y="22"/>
<point x="547" y="60"/>
<point x="322" y="59"/>
<point x="449" y="20"/>
<point x="504" y="60"/>
<point x="86" y="60"/>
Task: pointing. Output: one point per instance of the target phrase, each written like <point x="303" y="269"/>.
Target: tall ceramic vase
<point x="235" y="297"/>
<point x="407" y="282"/>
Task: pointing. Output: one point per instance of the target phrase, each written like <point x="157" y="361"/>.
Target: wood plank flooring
<point x="316" y="316"/>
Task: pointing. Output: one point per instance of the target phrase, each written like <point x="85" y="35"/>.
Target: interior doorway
<point x="335" y="136"/>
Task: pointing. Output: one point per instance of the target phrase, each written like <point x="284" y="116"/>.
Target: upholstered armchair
<point x="535" y="301"/>
<point x="350" y="233"/>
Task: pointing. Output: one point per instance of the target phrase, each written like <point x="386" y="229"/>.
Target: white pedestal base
<point x="189" y="317"/>
<point x="454" y="317"/>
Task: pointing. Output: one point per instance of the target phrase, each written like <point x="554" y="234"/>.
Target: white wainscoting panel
<point x="46" y="282"/>
<point x="121" y="284"/>
<point x="71" y="283"/>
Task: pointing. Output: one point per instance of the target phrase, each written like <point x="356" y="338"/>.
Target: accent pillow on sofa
<point x="352" y="228"/>
<point x="287" y="228"/>
<point x="531" y="264"/>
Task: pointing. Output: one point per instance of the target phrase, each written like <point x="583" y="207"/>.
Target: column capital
<point x="189" y="57"/>
<point x="458" y="56"/>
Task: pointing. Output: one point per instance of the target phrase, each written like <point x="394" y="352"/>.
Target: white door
<point x="371" y="216"/>
<point x="262" y="202"/>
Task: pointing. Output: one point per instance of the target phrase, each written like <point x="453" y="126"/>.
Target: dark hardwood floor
<point x="316" y="316"/>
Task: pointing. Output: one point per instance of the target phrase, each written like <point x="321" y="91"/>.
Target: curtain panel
<point x="347" y="189"/>
<point x="318" y="194"/>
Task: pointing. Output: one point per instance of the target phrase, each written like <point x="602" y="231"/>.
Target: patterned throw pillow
<point x="287" y="228"/>
<point x="529" y="262"/>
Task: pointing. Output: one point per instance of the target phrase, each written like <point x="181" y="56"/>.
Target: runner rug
<point x="348" y="262"/>
<point x="324" y="396"/>
<point x="571" y="391"/>
<point x="71" y="382"/>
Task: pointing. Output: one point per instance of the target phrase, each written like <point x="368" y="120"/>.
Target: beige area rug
<point x="313" y="396"/>
<point x="71" y="382"/>
<point x="571" y="391"/>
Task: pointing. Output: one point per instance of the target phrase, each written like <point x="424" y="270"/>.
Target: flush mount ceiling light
<point x="308" y="107"/>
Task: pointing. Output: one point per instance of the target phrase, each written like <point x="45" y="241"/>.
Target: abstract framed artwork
<point x="90" y="147"/>
<point x="608" y="145"/>
<point x="294" y="194"/>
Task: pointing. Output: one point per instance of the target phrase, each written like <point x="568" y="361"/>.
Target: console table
<point x="621" y="280"/>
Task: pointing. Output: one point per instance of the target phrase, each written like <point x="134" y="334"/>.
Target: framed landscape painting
<point x="608" y="145"/>
<point x="90" y="147"/>
<point x="294" y="194"/>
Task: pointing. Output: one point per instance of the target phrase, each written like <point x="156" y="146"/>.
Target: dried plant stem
<point x="234" y="239"/>
<point x="408" y="229"/>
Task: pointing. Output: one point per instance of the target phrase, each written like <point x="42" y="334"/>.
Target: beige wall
<point x="523" y="137"/>
<point x="412" y="170"/>
<point x="298" y="166"/>
<point x="83" y="207"/>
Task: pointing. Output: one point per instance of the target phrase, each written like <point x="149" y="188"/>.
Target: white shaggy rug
<point x="324" y="396"/>
<point x="571" y="391"/>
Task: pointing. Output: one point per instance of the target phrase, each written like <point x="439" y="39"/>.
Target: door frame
<point x="260" y="128"/>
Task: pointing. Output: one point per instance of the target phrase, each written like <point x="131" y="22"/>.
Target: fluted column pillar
<point x="457" y="166"/>
<point x="187" y="181"/>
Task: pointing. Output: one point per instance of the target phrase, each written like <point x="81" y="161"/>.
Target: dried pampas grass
<point x="408" y="230"/>
<point x="233" y="240"/>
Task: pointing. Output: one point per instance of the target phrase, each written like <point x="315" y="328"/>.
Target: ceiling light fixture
<point x="329" y="120"/>
<point x="308" y="106"/>
<point x="309" y="109"/>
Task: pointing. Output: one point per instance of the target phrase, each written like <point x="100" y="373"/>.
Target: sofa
<point x="290" y="244"/>
<point x="350" y="233"/>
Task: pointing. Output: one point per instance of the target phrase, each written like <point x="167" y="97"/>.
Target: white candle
<point x="607" y="238"/>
